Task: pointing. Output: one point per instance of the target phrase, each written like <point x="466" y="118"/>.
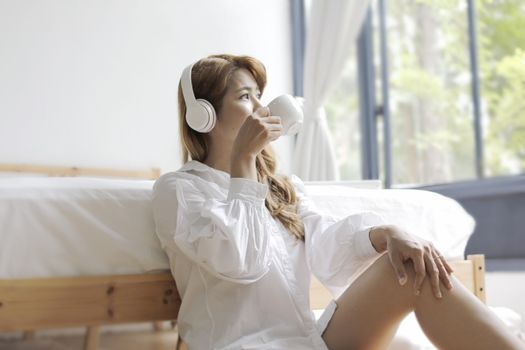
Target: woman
<point x="243" y="241"/>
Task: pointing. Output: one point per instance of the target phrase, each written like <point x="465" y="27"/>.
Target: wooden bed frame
<point x="151" y="174"/>
<point x="44" y="303"/>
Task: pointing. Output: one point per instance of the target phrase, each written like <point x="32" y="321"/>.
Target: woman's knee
<point x="388" y="280"/>
<point x="382" y="276"/>
<point x="424" y="291"/>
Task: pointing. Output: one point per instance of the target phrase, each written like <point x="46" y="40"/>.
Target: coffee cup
<point x="290" y="111"/>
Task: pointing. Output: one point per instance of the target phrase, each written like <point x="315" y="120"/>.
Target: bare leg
<point x="370" y="310"/>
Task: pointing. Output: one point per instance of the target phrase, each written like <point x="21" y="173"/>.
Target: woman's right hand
<point x="256" y="132"/>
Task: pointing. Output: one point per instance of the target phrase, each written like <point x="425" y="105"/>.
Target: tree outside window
<point x="431" y="108"/>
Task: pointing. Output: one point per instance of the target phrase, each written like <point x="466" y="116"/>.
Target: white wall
<point x="93" y="83"/>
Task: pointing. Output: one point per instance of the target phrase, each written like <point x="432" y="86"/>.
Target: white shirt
<point x="243" y="278"/>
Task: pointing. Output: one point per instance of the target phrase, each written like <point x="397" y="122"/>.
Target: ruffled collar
<point x="196" y="165"/>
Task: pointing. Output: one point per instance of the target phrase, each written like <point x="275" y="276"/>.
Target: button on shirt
<point x="243" y="278"/>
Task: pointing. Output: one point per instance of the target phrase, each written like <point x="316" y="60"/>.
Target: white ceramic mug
<point x="290" y="111"/>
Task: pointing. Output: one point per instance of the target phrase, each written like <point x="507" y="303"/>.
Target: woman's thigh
<point x="370" y="310"/>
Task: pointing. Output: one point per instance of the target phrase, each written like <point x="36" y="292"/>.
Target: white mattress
<point x="92" y="226"/>
<point x="429" y="215"/>
<point x="76" y="227"/>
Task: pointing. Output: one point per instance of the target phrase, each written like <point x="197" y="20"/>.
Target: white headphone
<point x="200" y="114"/>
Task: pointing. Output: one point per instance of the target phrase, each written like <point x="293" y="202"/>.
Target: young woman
<point x="243" y="241"/>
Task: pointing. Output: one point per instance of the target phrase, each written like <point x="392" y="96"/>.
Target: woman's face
<point x="241" y="100"/>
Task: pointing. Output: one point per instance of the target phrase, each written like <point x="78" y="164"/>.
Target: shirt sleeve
<point x="336" y="249"/>
<point x="228" y="238"/>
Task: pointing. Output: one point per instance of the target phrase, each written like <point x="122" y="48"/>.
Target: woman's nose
<point x="256" y="103"/>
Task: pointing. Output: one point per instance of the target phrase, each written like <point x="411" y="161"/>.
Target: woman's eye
<point x="247" y="96"/>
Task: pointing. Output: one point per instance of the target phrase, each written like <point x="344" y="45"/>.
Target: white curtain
<point x="332" y="31"/>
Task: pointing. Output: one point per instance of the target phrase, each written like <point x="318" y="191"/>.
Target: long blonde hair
<point x="210" y="77"/>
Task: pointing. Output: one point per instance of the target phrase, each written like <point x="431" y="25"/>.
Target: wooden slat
<point x="463" y="272"/>
<point x="92" y="338"/>
<point x="150" y="174"/>
<point x="79" y="301"/>
<point x="478" y="267"/>
<point x="319" y="295"/>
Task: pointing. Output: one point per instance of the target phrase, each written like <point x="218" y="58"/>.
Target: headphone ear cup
<point x="212" y="116"/>
<point x="201" y="116"/>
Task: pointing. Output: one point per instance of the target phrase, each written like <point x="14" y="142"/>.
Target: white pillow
<point x="429" y="215"/>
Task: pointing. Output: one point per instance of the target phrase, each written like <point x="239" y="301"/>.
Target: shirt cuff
<point x="363" y="245"/>
<point x="241" y="188"/>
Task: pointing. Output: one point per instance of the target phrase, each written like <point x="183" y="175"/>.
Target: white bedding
<point x="432" y="216"/>
<point x="90" y="226"/>
<point x="75" y="227"/>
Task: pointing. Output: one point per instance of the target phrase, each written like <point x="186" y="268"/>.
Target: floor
<point x="507" y="289"/>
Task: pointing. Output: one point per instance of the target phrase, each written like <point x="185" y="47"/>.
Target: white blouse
<point x="243" y="278"/>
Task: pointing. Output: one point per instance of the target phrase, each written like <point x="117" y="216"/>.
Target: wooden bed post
<point x="27" y="335"/>
<point x="478" y="272"/>
<point x="91" y="338"/>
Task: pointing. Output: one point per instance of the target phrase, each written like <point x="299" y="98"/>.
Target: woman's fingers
<point x="445" y="263"/>
<point x="419" y="267"/>
<point x="425" y="257"/>
<point x="433" y="272"/>
<point x="443" y="274"/>
<point x="399" y="268"/>
<point x="262" y="112"/>
<point x="273" y="120"/>
<point x="275" y="131"/>
<point x="274" y="127"/>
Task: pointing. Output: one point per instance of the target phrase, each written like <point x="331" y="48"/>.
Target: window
<point x="502" y="71"/>
<point x="450" y="86"/>
<point x="430" y="104"/>
<point x="342" y="114"/>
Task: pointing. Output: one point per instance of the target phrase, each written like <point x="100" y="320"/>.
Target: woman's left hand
<point x="402" y="246"/>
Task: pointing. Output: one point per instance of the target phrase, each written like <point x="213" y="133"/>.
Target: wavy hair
<point x="210" y="78"/>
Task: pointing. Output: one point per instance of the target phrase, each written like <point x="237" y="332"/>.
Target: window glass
<point x="501" y="52"/>
<point x="431" y="108"/>
<point x="430" y="92"/>
<point x="342" y="114"/>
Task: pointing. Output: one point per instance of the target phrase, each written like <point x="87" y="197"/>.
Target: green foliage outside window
<point x="501" y="28"/>
<point x="430" y="92"/>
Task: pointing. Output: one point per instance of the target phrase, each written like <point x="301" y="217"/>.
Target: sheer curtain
<point x="332" y="31"/>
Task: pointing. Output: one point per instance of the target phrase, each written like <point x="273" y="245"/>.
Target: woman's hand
<point x="426" y="259"/>
<point x="256" y="132"/>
